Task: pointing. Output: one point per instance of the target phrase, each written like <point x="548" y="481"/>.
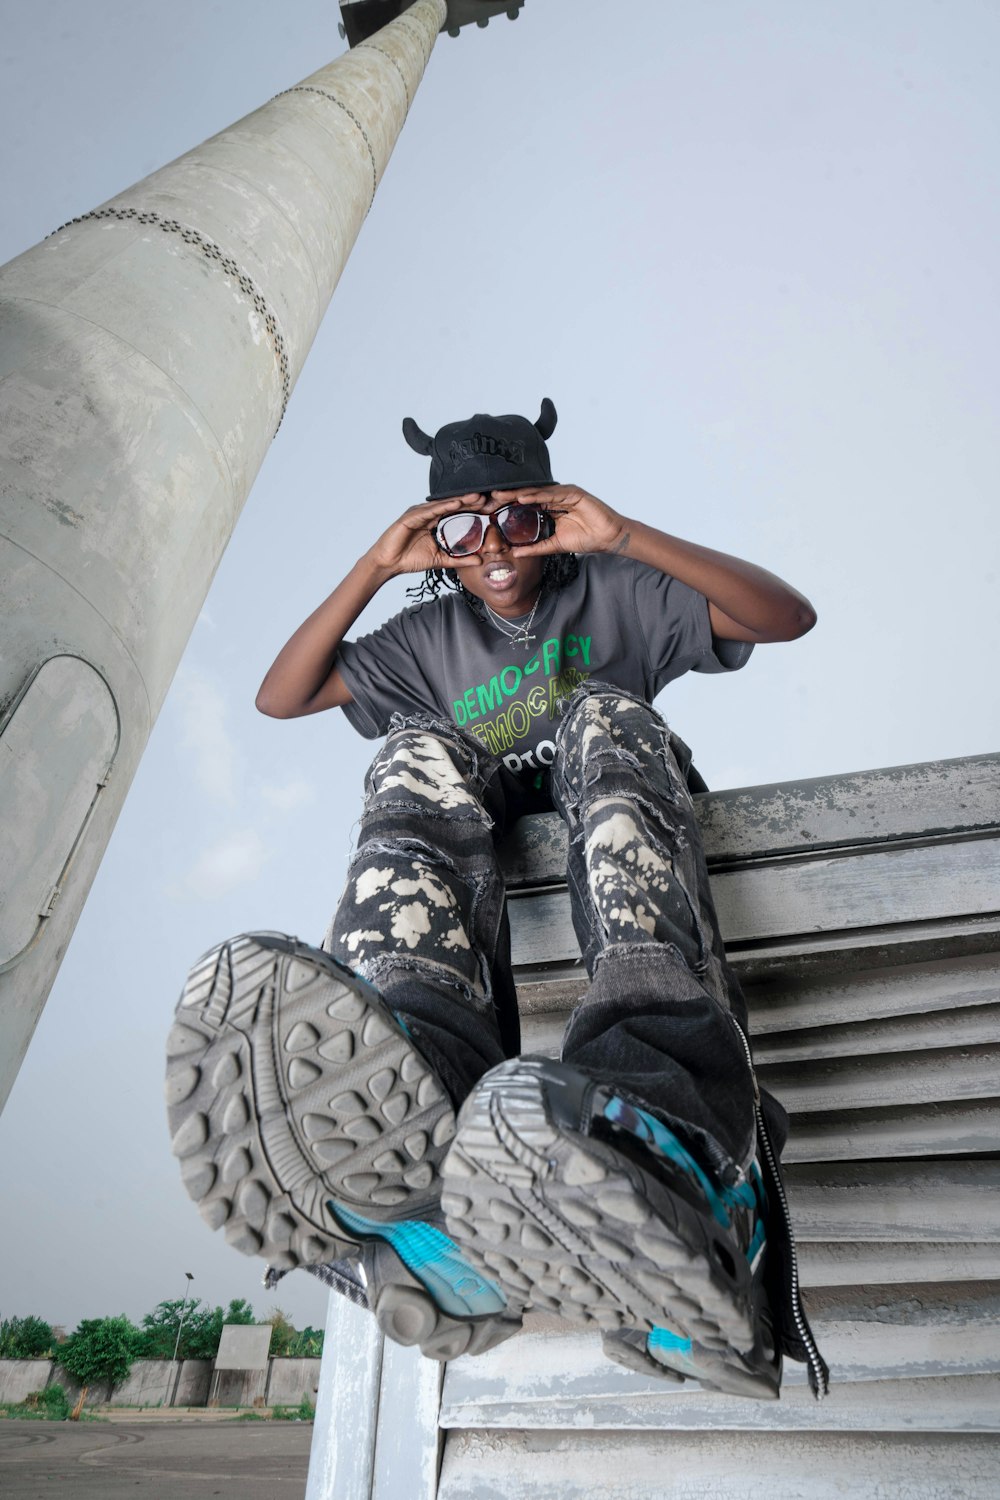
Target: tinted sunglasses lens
<point x="520" y="524"/>
<point x="461" y="535"/>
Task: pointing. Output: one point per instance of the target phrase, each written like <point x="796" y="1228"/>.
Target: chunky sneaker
<point x="671" y="1356"/>
<point x="422" y="1292"/>
<point x="581" y="1202"/>
<point x="310" y="1129"/>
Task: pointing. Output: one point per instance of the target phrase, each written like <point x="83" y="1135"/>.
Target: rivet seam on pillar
<point x="371" y="47"/>
<point x="406" y="25"/>
<point x="308" y="88"/>
<point x="214" y="252"/>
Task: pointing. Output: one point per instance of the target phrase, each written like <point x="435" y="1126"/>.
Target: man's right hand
<point x="408" y="545"/>
<point x="304" y="678"/>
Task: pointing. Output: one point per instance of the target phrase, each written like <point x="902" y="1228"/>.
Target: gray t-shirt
<point x="619" y="621"/>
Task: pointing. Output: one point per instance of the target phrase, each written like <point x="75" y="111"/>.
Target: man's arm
<point x="303" y="679"/>
<point x="745" y="602"/>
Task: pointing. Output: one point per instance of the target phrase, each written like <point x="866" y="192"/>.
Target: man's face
<point x="498" y="573"/>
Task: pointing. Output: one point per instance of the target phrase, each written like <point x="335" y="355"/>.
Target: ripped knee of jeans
<point x="595" y="688"/>
<point x="602" y="719"/>
<point x="637" y="885"/>
<point x="430" y="767"/>
<point x="406" y="903"/>
<point x="391" y="973"/>
<point x="615" y="742"/>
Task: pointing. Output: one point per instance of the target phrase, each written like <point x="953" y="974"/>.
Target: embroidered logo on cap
<point x="480" y="443"/>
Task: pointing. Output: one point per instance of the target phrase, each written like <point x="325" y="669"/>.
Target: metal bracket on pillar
<point x="361" y="18"/>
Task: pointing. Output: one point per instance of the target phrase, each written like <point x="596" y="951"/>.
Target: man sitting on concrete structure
<point x="364" y="1108"/>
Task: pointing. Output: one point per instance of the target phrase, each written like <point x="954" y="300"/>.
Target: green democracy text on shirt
<point x="484" y="697"/>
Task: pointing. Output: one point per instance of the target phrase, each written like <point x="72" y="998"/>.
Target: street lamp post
<point x="180" y="1330"/>
<point x="183" y="1310"/>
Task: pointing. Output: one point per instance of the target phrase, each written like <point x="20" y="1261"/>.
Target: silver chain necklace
<point x="518" y="635"/>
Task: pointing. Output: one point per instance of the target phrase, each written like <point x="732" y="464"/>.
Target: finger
<point x="547" y="498"/>
<point x="463" y="502"/>
<point x="430" y="508"/>
<point x="537" y="494"/>
<point x="544" y="548"/>
<point x="421" y="517"/>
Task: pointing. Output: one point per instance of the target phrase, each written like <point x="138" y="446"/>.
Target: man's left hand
<point x="582" y="522"/>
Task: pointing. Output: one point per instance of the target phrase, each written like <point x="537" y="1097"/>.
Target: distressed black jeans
<point x="423" y="916"/>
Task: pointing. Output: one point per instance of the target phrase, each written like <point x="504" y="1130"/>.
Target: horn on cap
<point x="547" y="419"/>
<point x="417" y="439"/>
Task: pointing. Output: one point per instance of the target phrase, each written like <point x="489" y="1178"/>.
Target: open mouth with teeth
<point x="507" y="585"/>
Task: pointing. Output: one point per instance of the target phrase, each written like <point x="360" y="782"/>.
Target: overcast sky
<point x="749" y="250"/>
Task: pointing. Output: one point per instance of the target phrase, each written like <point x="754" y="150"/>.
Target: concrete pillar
<point x="147" y="354"/>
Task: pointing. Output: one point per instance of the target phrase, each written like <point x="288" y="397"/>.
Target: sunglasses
<point x="463" y="534"/>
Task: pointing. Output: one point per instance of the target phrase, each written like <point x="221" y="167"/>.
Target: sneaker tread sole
<point x="534" y="1202"/>
<point x="719" y="1371"/>
<point x="408" y="1315"/>
<point x="275" y="1109"/>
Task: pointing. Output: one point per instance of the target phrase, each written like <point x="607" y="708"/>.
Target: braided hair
<point x="559" y="569"/>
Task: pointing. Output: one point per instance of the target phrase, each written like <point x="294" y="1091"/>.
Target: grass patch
<point x="304" y="1412"/>
<point x="50" y="1405"/>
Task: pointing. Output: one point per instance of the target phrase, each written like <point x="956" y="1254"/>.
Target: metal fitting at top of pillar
<point x="361" y="18"/>
<point x="147" y="353"/>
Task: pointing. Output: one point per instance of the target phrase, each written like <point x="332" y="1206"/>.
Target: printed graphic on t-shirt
<point x="618" y="622"/>
<point x="515" y="712"/>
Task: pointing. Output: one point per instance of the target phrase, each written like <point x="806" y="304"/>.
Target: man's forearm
<point x="299" y="680"/>
<point x="758" y="600"/>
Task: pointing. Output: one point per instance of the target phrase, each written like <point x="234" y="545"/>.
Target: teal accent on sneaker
<point x="665" y="1346"/>
<point x="666" y="1339"/>
<point x="672" y="1351"/>
<point x="456" y="1287"/>
<point x="759" y="1239"/>
<point x="653" y="1133"/>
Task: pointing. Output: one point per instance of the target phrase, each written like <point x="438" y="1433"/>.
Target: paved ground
<point x="161" y="1460"/>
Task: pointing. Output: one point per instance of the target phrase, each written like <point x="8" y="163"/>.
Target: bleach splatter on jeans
<point x="423" y="917"/>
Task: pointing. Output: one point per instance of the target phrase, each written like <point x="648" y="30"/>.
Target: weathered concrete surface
<point x="289" y="1380"/>
<point x="918" y="803"/>
<point x="243" y="1346"/>
<point x="20" y="1378"/>
<point x="156" y="1382"/>
<point x="241" y="1373"/>
<point x="192" y="1384"/>
<point x="342" y="1462"/>
<point x="151" y="1382"/>
<point x="695" y="1466"/>
<point x="160" y="1459"/>
<point x="238" y="1388"/>
<point x="147" y="352"/>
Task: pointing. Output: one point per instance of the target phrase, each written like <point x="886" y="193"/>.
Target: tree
<point x="25" y="1338"/>
<point x="199" y="1336"/>
<point x="308" y="1344"/>
<point x="201" y="1332"/>
<point x="239" y="1311"/>
<point x="101" y="1350"/>
<point x="287" y="1342"/>
<point x="282" y="1332"/>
